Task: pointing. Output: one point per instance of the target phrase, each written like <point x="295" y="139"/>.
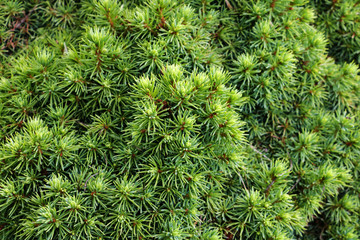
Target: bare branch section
<point x="262" y="154"/>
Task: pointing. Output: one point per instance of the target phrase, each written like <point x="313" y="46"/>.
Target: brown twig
<point x="262" y="154"/>
<point x="267" y="191"/>
<point x="89" y="179"/>
<point x="229" y="5"/>
<point x="273" y="180"/>
<point x="296" y="183"/>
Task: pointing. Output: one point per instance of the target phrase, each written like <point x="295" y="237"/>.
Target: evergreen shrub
<point x="179" y="119"/>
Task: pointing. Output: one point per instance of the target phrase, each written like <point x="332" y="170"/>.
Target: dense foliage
<point x="179" y="119"/>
